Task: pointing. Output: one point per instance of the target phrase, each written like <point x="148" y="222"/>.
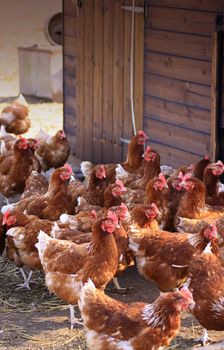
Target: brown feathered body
<point x="132" y="165"/>
<point x="113" y="325"/>
<point x="53" y="203"/>
<point x="36" y="183"/>
<point x="93" y="193"/>
<point x="164" y="257"/>
<point x="195" y="199"/>
<point x="151" y="169"/>
<point x="22" y="237"/>
<point x="192" y="206"/>
<point x="16" y="168"/>
<point x="53" y="152"/>
<point x="2" y="235"/>
<point x="159" y="196"/>
<point x="171" y="203"/>
<point x="207" y="286"/>
<point x="211" y="181"/>
<point x="68" y="264"/>
<point x="7" y="142"/>
<point x="15" y="117"/>
<point x="200" y="168"/>
<point x="139" y="220"/>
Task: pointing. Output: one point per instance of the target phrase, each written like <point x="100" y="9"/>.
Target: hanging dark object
<point x="77" y="6"/>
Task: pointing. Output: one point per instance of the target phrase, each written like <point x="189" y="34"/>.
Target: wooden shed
<point x="177" y="77"/>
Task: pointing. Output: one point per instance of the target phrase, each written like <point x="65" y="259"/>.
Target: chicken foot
<point x="118" y="288"/>
<point x="26" y="279"/>
<point x="74" y="320"/>
<point x="204" y="338"/>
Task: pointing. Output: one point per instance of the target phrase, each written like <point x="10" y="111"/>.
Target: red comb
<point x="143" y="134"/>
<point x="112" y="216"/>
<point x="123" y="206"/>
<point x="23" y="139"/>
<point x="5" y="217"/>
<point x="219" y="163"/>
<point x="187" y="176"/>
<point x="120" y="184"/>
<point x="94" y="213"/>
<point x="180" y="175"/>
<point x="206" y="157"/>
<point x="162" y="177"/>
<point x="186" y="293"/>
<point x="68" y="167"/>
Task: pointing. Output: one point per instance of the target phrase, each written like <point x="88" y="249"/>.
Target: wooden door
<point x="98" y="114"/>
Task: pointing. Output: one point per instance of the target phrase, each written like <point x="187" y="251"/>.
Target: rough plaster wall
<point x="22" y="24"/>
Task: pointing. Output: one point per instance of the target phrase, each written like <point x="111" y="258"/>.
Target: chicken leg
<point x="26" y="279"/>
<point x="74" y="320"/>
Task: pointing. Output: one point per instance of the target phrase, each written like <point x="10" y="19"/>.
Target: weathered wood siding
<point x="97" y="77"/>
<point x="177" y="77"/>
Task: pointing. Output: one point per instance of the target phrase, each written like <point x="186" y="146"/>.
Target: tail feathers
<point x="21" y="99"/>
<point x="43" y="240"/>
<point x="13" y="231"/>
<point x="54" y="230"/>
<point x="2" y="147"/>
<point x="81" y="201"/>
<point x="34" y="173"/>
<point x="134" y="243"/>
<point x="87" y="291"/>
<point x="121" y="172"/>
<point x="167" y="170"/>
<point x="3" y="132"/>
<point x="86" y="168"/>
<point x="64" y="218"/>
<point x="42" y="135"/>
<point x="179" y="225"/>
<point x="71" y="221"/>
<point x="18" y="235"/>
<point x="208" y="248"/>
<point x="7" y="207"/>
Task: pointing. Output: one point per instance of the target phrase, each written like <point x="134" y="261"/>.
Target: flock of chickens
<point x="170" y="223"/>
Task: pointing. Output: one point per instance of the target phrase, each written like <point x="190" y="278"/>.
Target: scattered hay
<point x="33" y="319"/>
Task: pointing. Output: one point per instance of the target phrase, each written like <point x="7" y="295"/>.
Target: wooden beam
<point x="215" y="92"/>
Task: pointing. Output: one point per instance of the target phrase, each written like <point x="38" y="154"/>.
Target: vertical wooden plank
<point x="63" y="62"/>
<point x="118" y="80"/>
<point x="98" y="80"/>
<point x="215" y="92"/>
<point x="79" y="100"/>
<point x="127" y="120"/>
<point x="107" y="120"/>
<point x="139" y="66"/>
<point x="88" y="81"/>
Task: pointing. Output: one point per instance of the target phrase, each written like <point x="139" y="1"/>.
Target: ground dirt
<point x="36" y="320"/>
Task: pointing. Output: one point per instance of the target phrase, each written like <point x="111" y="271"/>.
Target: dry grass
<point x="33" y="319"/>
<point x="36" y="320"/>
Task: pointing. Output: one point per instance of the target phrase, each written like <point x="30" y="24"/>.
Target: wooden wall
<point x="177" y="77"/>
<point x="96" y="77"/>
